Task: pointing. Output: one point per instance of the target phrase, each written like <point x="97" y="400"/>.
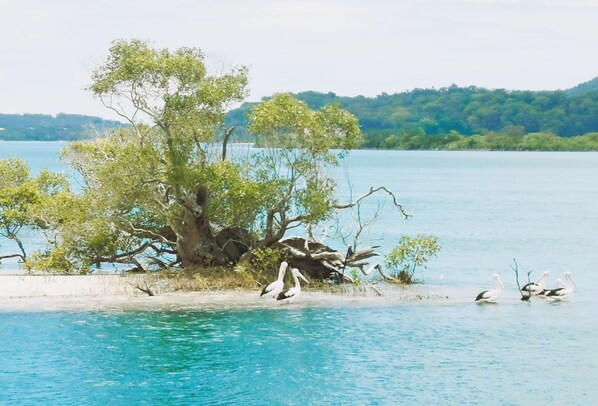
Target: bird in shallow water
<point x="537" y="287"/>
<point x="293" y="293"/>
<point x="490" y="296"/>
<point x="564" y="289"/>
<point x="273" y="289"/>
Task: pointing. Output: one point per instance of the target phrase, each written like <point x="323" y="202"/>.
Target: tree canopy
<point x="164" y="192"/>
<point x="22" y="199"/>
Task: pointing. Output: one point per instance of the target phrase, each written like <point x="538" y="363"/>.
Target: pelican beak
<point x="302" y="277"/>
<point x="500" y="283"/>
<point x="572" y="281"/>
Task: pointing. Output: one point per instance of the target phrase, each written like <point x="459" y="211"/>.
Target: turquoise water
<point x="486" y="207"/>
<point x="510" y="354"/>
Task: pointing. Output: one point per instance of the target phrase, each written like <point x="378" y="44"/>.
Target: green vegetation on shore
<point x="452" y="118"/>
<point x="163" y="194"/>
<point x="45" y="127"/>
<point x="463" y="118"/>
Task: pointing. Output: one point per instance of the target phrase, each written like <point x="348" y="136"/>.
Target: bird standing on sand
<point x="293" y="293"/>
<point x="273" y="289"/>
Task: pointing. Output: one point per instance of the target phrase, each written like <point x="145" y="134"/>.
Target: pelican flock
<point x="562" y="292"/>
<point x="536" y="288"/>
<point x="490" y="296"/>
<point x="273" y="289"/>
<point x="290" y="294"/>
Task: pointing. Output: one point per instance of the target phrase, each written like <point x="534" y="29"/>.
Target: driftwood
<point x="525" y="296"/>
<point x="147" y="289"/>
<point x="322" y="262"/>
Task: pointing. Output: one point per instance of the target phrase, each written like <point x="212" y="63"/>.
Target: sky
<point x="48" y="49"/>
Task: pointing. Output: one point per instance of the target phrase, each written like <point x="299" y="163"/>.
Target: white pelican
<point x="273" y="289"/>
<point x="292" y="293"/>
<point x="491" y="295"/>
<point x="537" y="287"/>
<point x="563" y="290"/>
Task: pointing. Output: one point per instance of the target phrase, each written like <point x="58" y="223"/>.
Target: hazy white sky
<point x="350" y="47"/>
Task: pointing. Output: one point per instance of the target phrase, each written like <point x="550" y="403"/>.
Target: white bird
<point x="537" y="287"/>
<point x="564" y="290"/>
<point x="292" y="293"/>
<point x="491" y="295"/>
<point x="273" y="289"/>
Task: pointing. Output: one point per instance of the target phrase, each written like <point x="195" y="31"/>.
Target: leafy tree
<point x="409" y="254"/>
<point x="21" y="196"/>
<point x="163" y="192"/>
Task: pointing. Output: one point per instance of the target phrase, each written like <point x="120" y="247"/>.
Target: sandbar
<point x="119" y="293"/>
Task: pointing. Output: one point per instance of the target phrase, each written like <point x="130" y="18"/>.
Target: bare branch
<point x="371" y="192"/>
<point x="147" y="288"/>
<point x="12" y="256"/>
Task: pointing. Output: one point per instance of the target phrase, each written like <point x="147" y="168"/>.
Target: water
<point x="411" y="354"/>
<point x="486" y="208"/>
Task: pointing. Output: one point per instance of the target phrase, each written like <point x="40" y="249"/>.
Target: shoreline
<point x="119" y="293"/>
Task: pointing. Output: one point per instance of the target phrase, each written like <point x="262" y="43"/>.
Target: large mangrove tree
<point x="168" y="189"/>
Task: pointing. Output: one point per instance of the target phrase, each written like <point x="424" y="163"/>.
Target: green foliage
<point x="265" y="264"/>
<point x="356" y="277"/>
<point x="298" y="144"/>
<point x="410" y="254"/>
<point x="584" y="87"/>
<point x="267" y="259"/>
<point x="43" y="127"/>
<point x="450" y="118"/>
<point x="173" y="89"/>
<point x="55" y="262"/>
<point x="288" y="123"/>
<point x="159" y="191"/>
<point x="21" y="198"/>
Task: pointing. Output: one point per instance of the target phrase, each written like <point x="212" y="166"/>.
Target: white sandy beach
<point x="115" y="292"/>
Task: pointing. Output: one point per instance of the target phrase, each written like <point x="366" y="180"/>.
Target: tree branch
<point x="371" y="192"/>
<point x="227" y="135"/>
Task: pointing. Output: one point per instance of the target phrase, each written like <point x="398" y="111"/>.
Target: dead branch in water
<point x="524" y="297"/>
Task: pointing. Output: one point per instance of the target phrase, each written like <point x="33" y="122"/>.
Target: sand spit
<point x="118" y="293"/>
<point x="21" y="286"/>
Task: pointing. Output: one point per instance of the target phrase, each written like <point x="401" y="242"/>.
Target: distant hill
<point x="589" y="86"/>
<point x="44" y="127"/>
<point x="465" y="110"/>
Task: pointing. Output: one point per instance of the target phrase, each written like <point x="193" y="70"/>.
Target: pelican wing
<point x="556" y="292"/>
<point x="287" y="294"/>
<point x="272" y="289"/>
<point x="482" y="295"/>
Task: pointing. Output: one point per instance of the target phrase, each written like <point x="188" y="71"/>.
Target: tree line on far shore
<point x="451" y="118"/>
<point x="46" y="127"/>
<point x="465" y="118"/>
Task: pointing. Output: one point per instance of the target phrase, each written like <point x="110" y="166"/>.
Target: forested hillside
<point x="447" y="118"/>
<point x="44" y="127"/>
<point x="425" y="115"/>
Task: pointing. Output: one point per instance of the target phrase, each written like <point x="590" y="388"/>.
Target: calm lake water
<point x="487" y="208"/>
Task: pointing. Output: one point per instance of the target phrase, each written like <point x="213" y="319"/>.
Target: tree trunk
<point x="197" y="246"/>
